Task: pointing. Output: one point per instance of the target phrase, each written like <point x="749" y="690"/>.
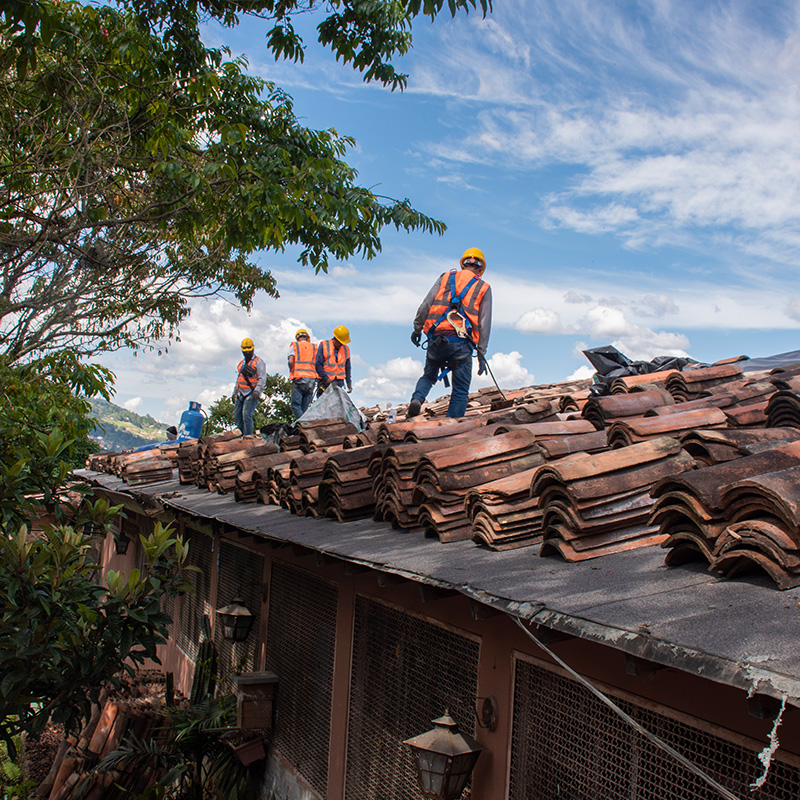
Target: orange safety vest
<point x="242" y="386"/>
<point x="305" y="356"/>
<point x="470" y="303"/>
<point x="333" y="362"/>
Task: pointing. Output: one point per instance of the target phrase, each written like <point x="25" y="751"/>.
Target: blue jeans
<point x="457" y="355"/>
<point x="302" y="395"/>
<point x="243" y="410"/>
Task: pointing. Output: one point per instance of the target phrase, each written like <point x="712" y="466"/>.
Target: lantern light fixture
<point x="444" y="759"/>
<point x="121" y="543"/>
<point x="236" y="619"/>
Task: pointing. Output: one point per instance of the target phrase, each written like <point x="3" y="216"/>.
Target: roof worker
<point x="333" y="360"/>
<point x="456" y="315"/>
<point x="251" y="378"/>
<point x="302" y="372"/>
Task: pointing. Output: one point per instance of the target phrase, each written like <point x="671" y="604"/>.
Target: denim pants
<point x="243" y="410"/>
<point x="302" y="395"/>
<point x="457" y="355"/>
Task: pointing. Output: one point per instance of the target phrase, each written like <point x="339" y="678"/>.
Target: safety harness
<point x="457" y="317"/>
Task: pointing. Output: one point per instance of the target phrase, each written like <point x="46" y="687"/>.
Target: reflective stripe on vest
<point x="305" y="356"/>
<point x="334" y="363"/>
<point x="242" y="386"/>
<point x="470" y="305"/>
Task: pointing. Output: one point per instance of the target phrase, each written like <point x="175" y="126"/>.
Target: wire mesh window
<point x="568" y="744"/>
<point x="193" y="607"/>
<point x="241" y="577"/>
<point x="406" y="671"/>
<point x="301" y="636"/>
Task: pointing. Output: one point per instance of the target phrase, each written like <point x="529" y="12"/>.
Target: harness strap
<point x="456" y="303"/>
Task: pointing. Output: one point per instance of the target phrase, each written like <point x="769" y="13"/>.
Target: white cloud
<point x="636" y="341"/>
<point x="507" y="369"/>
<point x="581" y="373"/>
<point x="608" y="325"/>
<point x="657" y="305"/>
<point x="672" y="123"/>
<point x="575" y="297"/>
<point x="793" y="309"/>
<point x="540" y="320"/>
<point x="603" y="219"/>
<point x="603" y="322"/>
<point x="643" y="344"/>
<point x="392" y="381"/>
<point x="578" y="349"/>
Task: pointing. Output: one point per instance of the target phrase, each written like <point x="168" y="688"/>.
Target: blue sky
<point x="630" y="169"/>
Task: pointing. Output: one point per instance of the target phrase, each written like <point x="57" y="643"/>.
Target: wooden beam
<point x="639" y="666"/>
<point x="481" y="611"/>
<point x="430" y="594"/>
<point x="386" y="579"/>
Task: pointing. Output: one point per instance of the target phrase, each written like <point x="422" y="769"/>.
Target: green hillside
<point x="120" y="429"/>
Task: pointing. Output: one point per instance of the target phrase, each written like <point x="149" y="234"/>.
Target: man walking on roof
<point x="456" y="315"/>
<point x="302" y="372"/>
<point x="333" y="360"/>
<point x="251" y="378"/>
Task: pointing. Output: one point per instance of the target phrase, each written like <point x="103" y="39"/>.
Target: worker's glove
<point x="481" y="365"/>
<point x="416" y="338"/>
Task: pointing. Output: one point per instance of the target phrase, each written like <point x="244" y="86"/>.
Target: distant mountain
<point x="120" y="429"/>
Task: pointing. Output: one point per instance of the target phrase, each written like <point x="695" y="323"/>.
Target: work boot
<point x="413" y="408"/>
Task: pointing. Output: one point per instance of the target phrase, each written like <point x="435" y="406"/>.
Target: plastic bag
<point x="335" y="403"/>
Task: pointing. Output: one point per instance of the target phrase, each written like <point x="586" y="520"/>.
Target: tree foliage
<point x="141" y="169"/>
<point x="364" y="33"/>
<point x="274" y="406"/>
<point x="64" y="635"/>
<point x="45" y="418"/>
<point x="191" y="755"/>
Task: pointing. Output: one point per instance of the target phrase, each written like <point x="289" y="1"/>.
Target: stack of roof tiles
<point x="144" y="466"/>
<point x="716" y="445"/>
<point x="216" y="460"/>
<point x="693" y="383"/>
<point x="633" y="430"/>
<point x="736" y="514"/>
<point x="442" y="478"/>
<point x="604" y="410"/>
<point x="189" y="454"/>
<point x="783" y="408"/>
<point x="596" y="504"/>
<point x="252" y="466"/>
<point x="503" y="513"/>
<point x="392" y="473"/>
<point x="346" y="488"/>
<point x="639" y="383"/>
<point x="319" y="434"/>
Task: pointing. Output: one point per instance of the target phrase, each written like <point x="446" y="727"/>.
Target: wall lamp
<point x="236" y="620"/>
<point x="444" y="759"/>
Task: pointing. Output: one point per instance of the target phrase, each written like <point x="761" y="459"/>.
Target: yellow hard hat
<point x="247" y="344"/>
<point x="474" y="253"/>
<point x="301" y="332"/>
<point x="341" y="334"/>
